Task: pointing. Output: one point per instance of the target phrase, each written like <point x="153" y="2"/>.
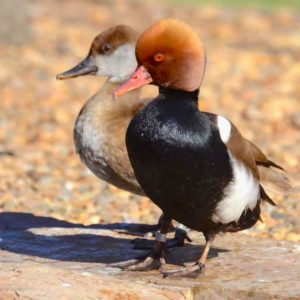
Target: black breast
<point x="178" y="158"/>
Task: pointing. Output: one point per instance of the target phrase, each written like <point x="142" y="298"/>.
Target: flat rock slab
<point x="44" y="258"/>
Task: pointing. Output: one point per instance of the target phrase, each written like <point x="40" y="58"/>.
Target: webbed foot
<point x="192" y="271"/>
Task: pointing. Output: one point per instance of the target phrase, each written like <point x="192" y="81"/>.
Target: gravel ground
<point x="252" y="78"/>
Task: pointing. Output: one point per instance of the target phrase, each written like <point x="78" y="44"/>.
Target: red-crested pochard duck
<point x="195" y="166"/>
<point x="100" y="128"/>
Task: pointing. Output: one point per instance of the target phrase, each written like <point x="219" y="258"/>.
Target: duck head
<point x="112" y="54"/>
<point x="169" y="54"/>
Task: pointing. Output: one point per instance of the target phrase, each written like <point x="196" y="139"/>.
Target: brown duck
<point x="99" y="133"/>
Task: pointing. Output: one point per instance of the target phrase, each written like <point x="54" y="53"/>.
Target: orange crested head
<point x="170" y="54"/>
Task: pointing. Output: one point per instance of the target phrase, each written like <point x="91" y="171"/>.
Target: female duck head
<point x="112" y="54"/>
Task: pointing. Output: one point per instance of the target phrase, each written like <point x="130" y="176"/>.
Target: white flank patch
<point x="224" y="128"/>
<point x="241" y="194"/>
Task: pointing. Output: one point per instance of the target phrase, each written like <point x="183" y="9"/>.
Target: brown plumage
<point x="268" y="172"/>
<point x="109" y="121"/>
<point x="99" y="133"/>
<point x="111" y="39"/>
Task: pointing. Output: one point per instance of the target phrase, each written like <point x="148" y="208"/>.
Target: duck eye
<point x="159" y="57"/>
<point x="106" y="48"/>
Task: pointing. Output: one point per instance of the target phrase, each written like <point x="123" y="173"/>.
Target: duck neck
<point x="102" y="107"/>
<point x="108" y="88"/>
<point x="170" y="93"/>
<point x="104" y="96"/>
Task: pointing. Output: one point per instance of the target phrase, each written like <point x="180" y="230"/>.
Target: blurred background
<point x="252" y="77"/>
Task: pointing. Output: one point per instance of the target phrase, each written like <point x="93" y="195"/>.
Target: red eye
<point x="159" y="57"/>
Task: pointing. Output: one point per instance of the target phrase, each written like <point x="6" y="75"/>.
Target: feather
<point x="274" y="179"/>
<point x="264" y="196"/>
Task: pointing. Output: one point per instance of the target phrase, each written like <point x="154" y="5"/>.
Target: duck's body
<point x="99" y="136"/>
<point x="195" y="166"/>
<point x="205" y="176"/>
<point x="99" y="133"/>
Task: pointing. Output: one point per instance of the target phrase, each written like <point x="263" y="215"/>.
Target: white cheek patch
<point x="241" y="194"/>
<point x="119" y="65"/>
<point x="224" y="128"/>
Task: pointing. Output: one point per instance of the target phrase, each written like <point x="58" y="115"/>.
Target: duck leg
<point x="181" y="235"/>
<point x="197" y="268"/>
<point x="155" y="258"/>
<point x="150" y="230"/>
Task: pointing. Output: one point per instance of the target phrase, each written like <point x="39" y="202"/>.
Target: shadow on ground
<point x="46" y="237"/>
